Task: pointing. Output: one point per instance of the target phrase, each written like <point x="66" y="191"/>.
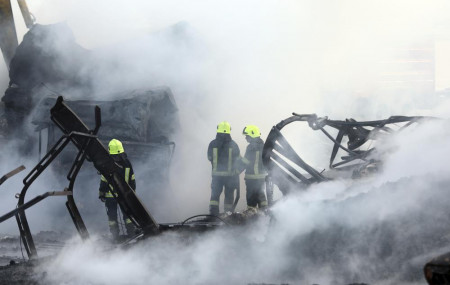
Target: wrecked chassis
<point x="90" y="148"/>
<point x="284" y="164"/>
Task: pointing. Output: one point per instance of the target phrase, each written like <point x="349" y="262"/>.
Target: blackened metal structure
<point x="94" y="150"/>
<point x="283" y="163"/>
<point x="19" y="212"/>
<point x="90" y="148"/>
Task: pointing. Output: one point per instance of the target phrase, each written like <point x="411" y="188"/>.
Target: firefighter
<point x="223" y="153"/>
<point x="107" y="193"/>
<point x="255" y="174"/>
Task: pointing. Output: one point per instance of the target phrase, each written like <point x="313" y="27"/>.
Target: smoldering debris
<point x="365" y="238"/>
<point x="379" y="234"/>
<point x="372" y="238"/>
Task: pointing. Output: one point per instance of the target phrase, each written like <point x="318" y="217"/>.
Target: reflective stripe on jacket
<point x="254" y="168"/>
<point x="107" y="190"/>
<point x="223" y="154"/>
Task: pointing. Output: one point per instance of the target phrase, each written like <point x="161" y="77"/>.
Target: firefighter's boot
<point x="131" y="229"/>
<point x="214" y="207"/>
<point x="228" y="207"/>
<point x="214" y="210"/>
<point x="114" y="229"/>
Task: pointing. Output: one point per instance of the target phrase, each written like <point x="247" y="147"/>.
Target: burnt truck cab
<point x="145" y="121"/>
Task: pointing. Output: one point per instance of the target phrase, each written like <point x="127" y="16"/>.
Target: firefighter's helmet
<point x="224" y="128"/>
<point x="115" y="147"/>
<point x="252" y="131"/>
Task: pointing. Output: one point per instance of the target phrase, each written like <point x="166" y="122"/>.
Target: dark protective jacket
<point x="252" y="160"/>
<point x="127" y="171"/>
<point x="223" y="153"/>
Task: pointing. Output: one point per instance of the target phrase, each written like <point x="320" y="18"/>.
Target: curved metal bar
<point x="40" y="167"/>
<point x="356" y="132"/>
<point x="70" y="204"/>
<point x="22" y="221"/>
<point x="21" y="218"/>
<point x="296" y="118"/>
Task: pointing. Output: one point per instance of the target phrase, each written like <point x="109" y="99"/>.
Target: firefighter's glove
<point x="102" y="198"/>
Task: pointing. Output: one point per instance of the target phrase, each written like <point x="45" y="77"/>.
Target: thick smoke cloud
<point x="255" y="62"/>
<point x="250" y="63"/>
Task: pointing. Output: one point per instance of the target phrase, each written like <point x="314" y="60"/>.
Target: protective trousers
<point x="111" y="211"/>
<point x="255" y="193"/>
<point x="230" y="183"/>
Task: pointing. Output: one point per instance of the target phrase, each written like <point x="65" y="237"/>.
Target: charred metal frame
<point x="69" y="122"/>
<point x="279" y="156"/>
<point x="90" y="148"/>
<point x="19" y="212"/>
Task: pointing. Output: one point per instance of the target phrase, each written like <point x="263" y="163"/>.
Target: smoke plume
<point x="256" y="62"/>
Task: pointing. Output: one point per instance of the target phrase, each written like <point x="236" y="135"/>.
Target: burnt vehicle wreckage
<point x="280" y="159"/>
<point x="143" y="120"/>
<point x="284" y="164"/>
<point x="91" y="148"/>
<point x="28" y="69"/>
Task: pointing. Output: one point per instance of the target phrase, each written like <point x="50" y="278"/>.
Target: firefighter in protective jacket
<point x="255" y="173"/>
<point x="223" y="153"/>
<point x="107" y="193"/>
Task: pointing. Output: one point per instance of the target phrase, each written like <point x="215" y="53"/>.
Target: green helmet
<point x="252" y="131"/>
<point x="224" y="128"/>
<point x="115" y="147"/>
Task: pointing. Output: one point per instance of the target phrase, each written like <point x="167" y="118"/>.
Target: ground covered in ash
<point x="16" y="268"/>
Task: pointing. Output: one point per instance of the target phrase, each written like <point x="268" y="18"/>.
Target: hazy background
<point x="255" y="62"/>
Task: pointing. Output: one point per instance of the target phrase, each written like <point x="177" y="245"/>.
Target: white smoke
<point x="376" y="231"/>
<point x="256" y="62"/>
<point x="251" y="63"/>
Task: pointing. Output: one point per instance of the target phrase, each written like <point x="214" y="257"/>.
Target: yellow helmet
<point x="224" y="127"/>
<point x="252" y="131"/>
<point x="115" y="147"/>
